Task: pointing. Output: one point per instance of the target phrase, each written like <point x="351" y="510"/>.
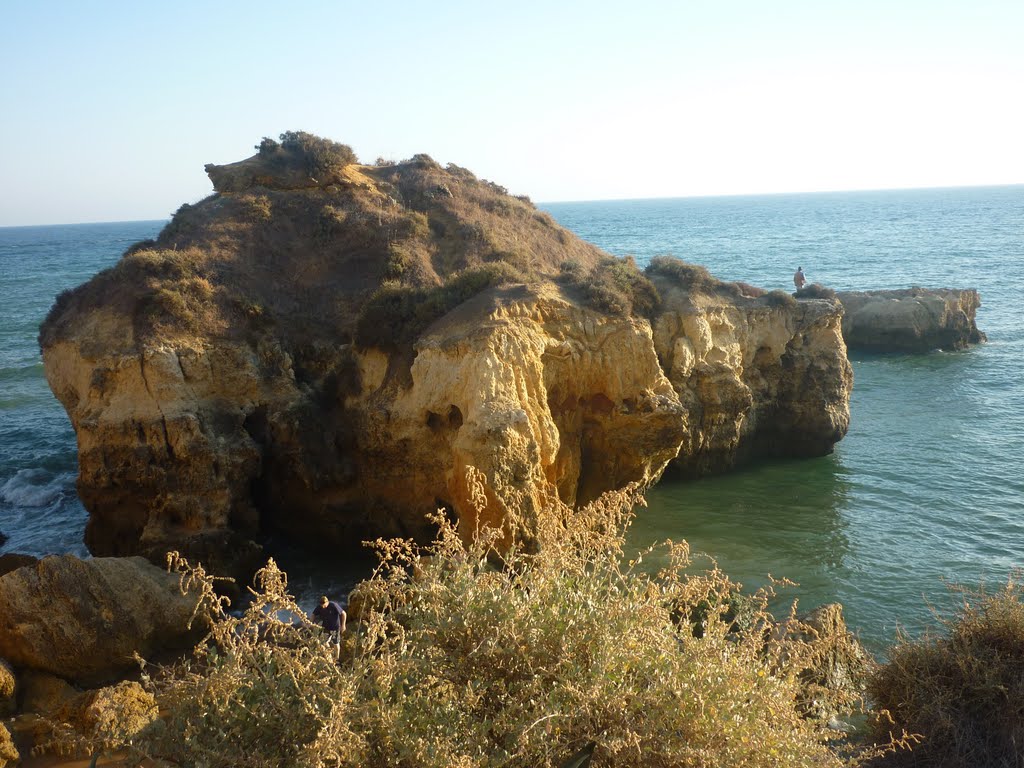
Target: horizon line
<point x="611" y="200"/>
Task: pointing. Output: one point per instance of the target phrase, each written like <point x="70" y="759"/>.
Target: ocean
<point x="925" y="491"/>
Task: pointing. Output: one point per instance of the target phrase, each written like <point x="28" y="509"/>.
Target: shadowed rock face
<point x="911" y="320"/>
<point x="247" y="372"/>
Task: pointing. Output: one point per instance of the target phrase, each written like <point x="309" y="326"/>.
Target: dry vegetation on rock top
<point x="302" y="239"/>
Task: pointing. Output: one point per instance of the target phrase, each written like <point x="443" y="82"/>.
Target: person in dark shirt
<point x="333" y="619"/>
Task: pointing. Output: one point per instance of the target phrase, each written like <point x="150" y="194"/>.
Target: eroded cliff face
<point x="231" y="379"/>
<point x="756" y="378"/>
<point x="536" y="394"/>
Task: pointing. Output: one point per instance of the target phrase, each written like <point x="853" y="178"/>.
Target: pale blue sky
<point x="111" y="109"/>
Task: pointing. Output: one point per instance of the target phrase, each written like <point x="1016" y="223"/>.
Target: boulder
<point x="12" y="561"/>
<point x="84" y="620"/>
<point x="914" y="320"/>
<point x="3" y="539"/>
<point x="103" y="718"/>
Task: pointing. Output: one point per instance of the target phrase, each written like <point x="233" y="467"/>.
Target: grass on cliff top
<point x="697" y="279"/>
<point x="306" y="262"/>
<point x="463" y="657"/>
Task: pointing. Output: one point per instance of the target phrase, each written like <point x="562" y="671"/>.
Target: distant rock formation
<point x="339" y="360"/>
<point x="912" y="320"/>
<point x="84" y="619"/>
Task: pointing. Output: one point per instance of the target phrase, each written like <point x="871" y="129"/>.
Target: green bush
<point x="961" y="688"/>
<point x="477" y="652"/>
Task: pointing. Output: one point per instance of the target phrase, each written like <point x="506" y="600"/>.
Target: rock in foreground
<point x="84" y="620"/>
<point x="913" y="320"/>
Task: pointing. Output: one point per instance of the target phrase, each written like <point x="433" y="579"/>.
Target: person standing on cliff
<point x="333" y="619"/>
<point x="798" y="278"/>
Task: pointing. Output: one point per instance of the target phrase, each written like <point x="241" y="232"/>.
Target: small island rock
<point x="913" y="320"/>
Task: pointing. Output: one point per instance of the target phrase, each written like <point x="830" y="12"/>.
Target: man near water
<point x="798" y="278"/>
<point x="333" y="618"/>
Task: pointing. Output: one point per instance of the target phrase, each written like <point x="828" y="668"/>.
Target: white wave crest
<point x="34" y="488"/>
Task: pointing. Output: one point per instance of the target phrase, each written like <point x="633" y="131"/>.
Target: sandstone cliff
<point x="911" y="320"/>
<point x="331" y="358"/>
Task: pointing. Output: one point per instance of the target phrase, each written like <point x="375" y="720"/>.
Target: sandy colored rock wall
<point x="200" y="447"/>
<point x="755" y="379"/>
<point x="912" y="320"/>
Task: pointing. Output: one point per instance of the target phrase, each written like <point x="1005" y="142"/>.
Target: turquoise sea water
<point x="928" y="485"/>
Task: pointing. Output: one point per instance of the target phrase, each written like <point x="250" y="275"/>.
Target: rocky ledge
<point x="335" y="351"/>
<point x="912" y="320"/>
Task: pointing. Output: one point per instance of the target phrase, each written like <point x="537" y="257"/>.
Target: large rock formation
<point x="85" y="619"/>
<point x="911" y="320"/>
<point x="333" y="358"/>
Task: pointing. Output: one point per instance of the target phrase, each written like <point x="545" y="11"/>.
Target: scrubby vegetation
<point x="314" y="154"/>
<point x="693" y="277"/>
<point x="815" y="291"/>
<point x="397" y="314"/>
<point x="961" y="688"/>
<point x="779" y="298"/>
<point x="613" y="286"/>
<point x="462" y="656"/>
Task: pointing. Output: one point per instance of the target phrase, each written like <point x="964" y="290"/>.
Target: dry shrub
<point x="467" y="655"/>
<point x="815" y="291"/>
<point x="97" y="721"/>
<point x="746" y="289"/>
<point x="8" y="752"/>
<point x="962" y="688"/>
<point x="781" y="299"/>
<point x="262" y="689"/>
<point x="397" y="314"/>
<point x="614" y="286"/>
<point x="690" y="276"/>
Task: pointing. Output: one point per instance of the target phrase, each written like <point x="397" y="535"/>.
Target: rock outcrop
<point x="84" y="620"/>
<point x="12" y="561"/>
<point x="912" y="320"/>
<point x="756" y="377"/>
<point x="334" y="360"/>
